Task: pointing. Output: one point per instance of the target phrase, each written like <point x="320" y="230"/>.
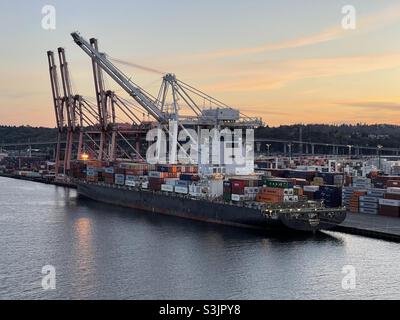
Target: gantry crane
<point x="218" y="114"/>
<point x="87" y="127"/>
<point x="95" y="126"/>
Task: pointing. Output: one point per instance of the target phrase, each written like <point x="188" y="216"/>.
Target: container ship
<point x="258" y="201"/>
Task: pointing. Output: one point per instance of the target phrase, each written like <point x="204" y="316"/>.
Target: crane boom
<point x="57" y="100"/>
<point x="133" y="90"/>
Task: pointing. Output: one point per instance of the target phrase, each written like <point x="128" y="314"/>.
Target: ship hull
<point x="201" y="210"/>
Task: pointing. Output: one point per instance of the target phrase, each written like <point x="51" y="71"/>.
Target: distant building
<point x="3" y="155"/>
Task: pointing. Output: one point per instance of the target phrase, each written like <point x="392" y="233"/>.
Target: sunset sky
<point x="287" y="61"/>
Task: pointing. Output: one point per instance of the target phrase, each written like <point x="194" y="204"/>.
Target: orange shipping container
<point x="272" y="191"/>
<point x="359" y="193"/>
<point x="269" y="198"/>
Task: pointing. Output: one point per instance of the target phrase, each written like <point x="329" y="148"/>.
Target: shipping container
<point x="389" y="210"/>
<point x="155" y="183"/>
<point x="119" y="179"/>
<point x="368" y="210"/>
<point x="182" y="190"/>
<point x="167" y="188"/>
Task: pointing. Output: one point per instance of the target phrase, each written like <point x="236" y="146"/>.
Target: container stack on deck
<point x="243" y="189"/>
<point x="358" y="194"/>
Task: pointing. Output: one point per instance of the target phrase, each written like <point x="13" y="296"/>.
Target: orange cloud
<point x="276" y="74"/>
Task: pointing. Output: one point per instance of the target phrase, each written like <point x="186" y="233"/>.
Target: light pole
<point x="349" y="146"/>
<point x="290" y="151"/>
<point x="268" y="147"/>
<point x="379" y="146"/>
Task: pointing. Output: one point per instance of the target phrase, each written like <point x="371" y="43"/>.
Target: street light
<point x="268" y="147"/>
<point x="379" y="146"/>
<point x="349" y="146"/>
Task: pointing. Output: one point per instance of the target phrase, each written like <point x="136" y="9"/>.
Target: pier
<point x="373" y="226"/>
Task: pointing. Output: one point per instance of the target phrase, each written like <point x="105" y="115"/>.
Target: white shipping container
<point x="376" y="192"/>
<point x="195" y="190"/>
<point x="251" y="190"/>
<point x="361" y="180"/>
<point x="369" y="210"/>
<point x="388" y="202"/>
<point x="290" y="198"/>
<point x="373" y="205"/>
<point x="154" y="174"/>
<point x="130" y="183"/>
<point x="216" y="187"/>
<point x="167" y="188"/>
<point x="171" y="181"/>
<point x="362" y="186"/>
<point x="130" y="178"/>
<point x="311" y="188"/>
<point x="288" y="192"/>
<point x="109" y="170"/>
<point x="369" y="199"/>
<point x="145" y="185"/>
<point x="183" y="190"/>
<point x="237" y="197"/>
<point x="393" y="190"/>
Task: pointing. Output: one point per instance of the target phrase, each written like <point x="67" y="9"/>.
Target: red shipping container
<point x="392" y="196"/>
<point x="389" y="211"/>
<point x="155" y="183"/>
<point x="393" y="183"/>
<point x="237" y="190"/>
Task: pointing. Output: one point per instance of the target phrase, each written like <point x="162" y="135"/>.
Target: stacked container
<point x="369" y="204"/>
<point x="227" y="192"/>
<point x="354" y="203"/>
<point x="389" y="207"/>
<point x="331" y="195"/>
<point x="270" y="195"/>
<point x="312" y="192"/>
<point x="108" y="175"/>
<point x="155" y="183"/>
<point x="362" y="183"/>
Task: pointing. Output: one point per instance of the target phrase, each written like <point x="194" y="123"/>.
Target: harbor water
<point x="105" y="252"/>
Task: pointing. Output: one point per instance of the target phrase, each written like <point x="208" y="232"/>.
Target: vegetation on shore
<point x="360" y="134"/>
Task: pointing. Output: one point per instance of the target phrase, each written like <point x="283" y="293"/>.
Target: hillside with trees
<point x="360" y="134"/>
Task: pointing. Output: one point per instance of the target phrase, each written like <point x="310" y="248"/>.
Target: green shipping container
<point x="277" y="184"/>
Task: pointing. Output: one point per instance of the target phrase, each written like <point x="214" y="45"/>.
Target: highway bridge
<point x="264" y="145"/>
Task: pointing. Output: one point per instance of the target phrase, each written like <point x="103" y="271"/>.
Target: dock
<point x="373" y="226"/>
<point x="39" y="180"/>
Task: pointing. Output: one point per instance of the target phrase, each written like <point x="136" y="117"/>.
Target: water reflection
<point x="107" y="252"/>
<point x="219" y="233"/>
<point x="83" y="254"/>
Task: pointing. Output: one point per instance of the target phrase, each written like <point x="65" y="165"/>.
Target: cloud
<point x="272" y="75"/>
<point x="364" y="24"/>
<point x="373" y="105"/>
